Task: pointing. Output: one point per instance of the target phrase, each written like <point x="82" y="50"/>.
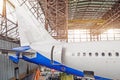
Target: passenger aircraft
<point x="101" y="60"/>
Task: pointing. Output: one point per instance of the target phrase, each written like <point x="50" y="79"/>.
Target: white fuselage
<point x="102" y="58"/>
<point x="89" y="56"/>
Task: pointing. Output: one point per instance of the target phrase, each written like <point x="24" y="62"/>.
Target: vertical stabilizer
<point x="30" y="29"/>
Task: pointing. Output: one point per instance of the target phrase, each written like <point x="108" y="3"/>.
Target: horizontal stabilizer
<point x="15" y="59"/>
<point x="21" y="49"/>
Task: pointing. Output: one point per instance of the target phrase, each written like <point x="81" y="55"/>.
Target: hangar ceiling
<point x="94" y="14"/>
<point x="61" y="15"/>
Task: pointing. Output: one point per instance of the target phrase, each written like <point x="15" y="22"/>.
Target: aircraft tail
<point x="30" y="30"/>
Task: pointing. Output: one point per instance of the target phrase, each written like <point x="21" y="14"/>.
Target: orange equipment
<point x="37" y="74"/>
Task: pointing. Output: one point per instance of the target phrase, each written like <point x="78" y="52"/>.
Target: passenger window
<point x="84" y="54"/>
<point x="78" y="54"/>
<point x="117" y="54"/>
<point x="103" y="54"/>
<point x="96" y="54"/>
<point x="73" y="54"/>
<point x="109" y="54"/>
<point x="90" y="54"/>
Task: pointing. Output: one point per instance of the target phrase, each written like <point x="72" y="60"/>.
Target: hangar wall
<point x="7" y="45"/>
<point x="7" y="67"/>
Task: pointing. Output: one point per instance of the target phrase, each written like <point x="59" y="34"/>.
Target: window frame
<point x="117" y="54"/>
<point x="103" y="54"/>
<point x="109" y="54"/>
<point x="96" y="54"/>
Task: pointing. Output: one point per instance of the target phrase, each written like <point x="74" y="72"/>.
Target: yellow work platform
<point x="66" y="77"/>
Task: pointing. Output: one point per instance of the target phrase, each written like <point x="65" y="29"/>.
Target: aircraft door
<point x="57" y="54"/>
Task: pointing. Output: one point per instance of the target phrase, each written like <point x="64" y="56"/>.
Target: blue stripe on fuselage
<point x="41" y="60"/>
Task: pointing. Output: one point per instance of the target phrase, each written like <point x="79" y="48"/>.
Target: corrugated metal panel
<point x="7" y="67"/>
<point x="7" y="44"/>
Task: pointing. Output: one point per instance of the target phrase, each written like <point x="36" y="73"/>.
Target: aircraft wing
<point x="16" y="53"/>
